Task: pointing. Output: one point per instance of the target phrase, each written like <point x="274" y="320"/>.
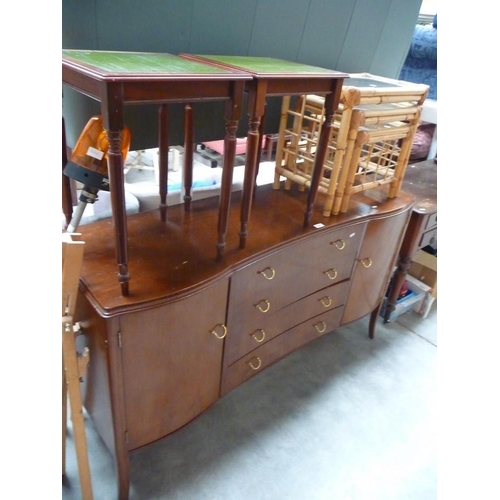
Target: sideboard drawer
<point x="252" y="306"/>
<point x="277" y="348"/>
<point x="244" y="337"/>
<point x="288" y="275"/>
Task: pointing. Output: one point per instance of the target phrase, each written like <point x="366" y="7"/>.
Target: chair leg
<point x="75" y="400"/>
<point x="64" y="417"/>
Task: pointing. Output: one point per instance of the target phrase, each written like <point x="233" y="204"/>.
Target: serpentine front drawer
<point x="279" y="347"/>
<point x="244" y="337"/>
<point x="273" y="282"/>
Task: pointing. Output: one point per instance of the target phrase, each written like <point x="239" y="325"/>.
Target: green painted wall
<point x="346" y="35"/>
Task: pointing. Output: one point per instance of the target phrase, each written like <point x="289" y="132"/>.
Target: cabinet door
<point x="172" y="359"/>
<point x="374" y="265"/>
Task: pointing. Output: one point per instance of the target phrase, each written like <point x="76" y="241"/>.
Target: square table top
<point x="123" y="66"/>
<point x="268" y="67"/>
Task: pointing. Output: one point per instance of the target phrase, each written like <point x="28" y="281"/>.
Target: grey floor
<point x="343" y="418"/>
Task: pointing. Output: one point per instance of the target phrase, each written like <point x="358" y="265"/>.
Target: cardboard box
<point x="424" y="269"/>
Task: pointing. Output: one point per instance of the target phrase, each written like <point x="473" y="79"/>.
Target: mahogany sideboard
<point x="194" y="327"/>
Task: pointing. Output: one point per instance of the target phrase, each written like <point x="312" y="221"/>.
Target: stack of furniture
<point x="188" y="326"/>
<point x="369" y="143"/>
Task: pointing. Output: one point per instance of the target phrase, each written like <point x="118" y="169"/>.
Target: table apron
<point x="301" y="86"/>
<point x="156" y="92"/>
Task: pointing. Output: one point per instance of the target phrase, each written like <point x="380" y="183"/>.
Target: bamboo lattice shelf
<point x="369" y="143"/>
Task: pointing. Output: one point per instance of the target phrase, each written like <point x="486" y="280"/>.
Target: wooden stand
<point x="421" y="181"/>
<point x="74" y="365"/>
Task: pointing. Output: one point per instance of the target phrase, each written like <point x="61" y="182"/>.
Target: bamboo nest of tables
<point x="369" y="145"/>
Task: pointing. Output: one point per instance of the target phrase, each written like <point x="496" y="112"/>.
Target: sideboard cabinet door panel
<point x="172" y="359"/>
<point x="374" y="265"/>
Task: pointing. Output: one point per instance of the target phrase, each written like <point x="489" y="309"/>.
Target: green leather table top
<point x="123" y="64"/>
<point x="268" y="66"/>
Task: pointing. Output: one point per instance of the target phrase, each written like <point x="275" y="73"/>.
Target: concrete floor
<point x="343" y="418"/>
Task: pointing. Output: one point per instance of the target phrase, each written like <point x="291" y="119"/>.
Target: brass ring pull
<point x="326" y="301"/>
<point x="339" y="244"/>
<point x="253" y="367"/>
<point x="321" y="327"/>
<point x="262" y="309"/>
<point x="269" y="273"/>
<point x="224" y="331"/>
<point x="367" y="262"/>
<point x="261" y="338"/>
<point x="331" y="273"/>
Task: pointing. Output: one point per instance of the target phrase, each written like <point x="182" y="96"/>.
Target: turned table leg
<point x="397" y="281"/>
<point x="112" y="115"/>
<point x="232" y="115"/>
<point x="187" y="170"/>
<point x="331" y="104"/>
<point x="256" y="108"/>
<point x="163" y="158"/>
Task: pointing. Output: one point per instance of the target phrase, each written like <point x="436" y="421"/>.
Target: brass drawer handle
<point x="255" y="367"/>
<point x="261" y="338"/>
<point x="263" y="309"/>
<point x="224" y="331"/>
<point x="331" y="273"/>
<point x="339" y="244"/>
<point x="367" y="262"/>
<point x="269" y="273"/>
<point x="326" y="301"/>
<point x="321" y="327"/>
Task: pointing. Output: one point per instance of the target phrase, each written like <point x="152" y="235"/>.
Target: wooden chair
<point x="376" y="96"/>
<point x="74" y="364"/>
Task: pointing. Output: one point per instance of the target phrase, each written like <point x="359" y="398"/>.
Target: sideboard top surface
<point x="173" y="259"/>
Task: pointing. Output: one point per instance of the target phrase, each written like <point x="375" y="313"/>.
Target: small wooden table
<point x="122" y="78"/>
<point x="277" y="77"/>
<point x="421" y="181"/>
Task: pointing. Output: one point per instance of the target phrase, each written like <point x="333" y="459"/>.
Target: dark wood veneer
<point x="158" y="355"/>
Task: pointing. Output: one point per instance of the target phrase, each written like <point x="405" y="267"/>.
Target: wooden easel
<point x="74" y="364"/>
